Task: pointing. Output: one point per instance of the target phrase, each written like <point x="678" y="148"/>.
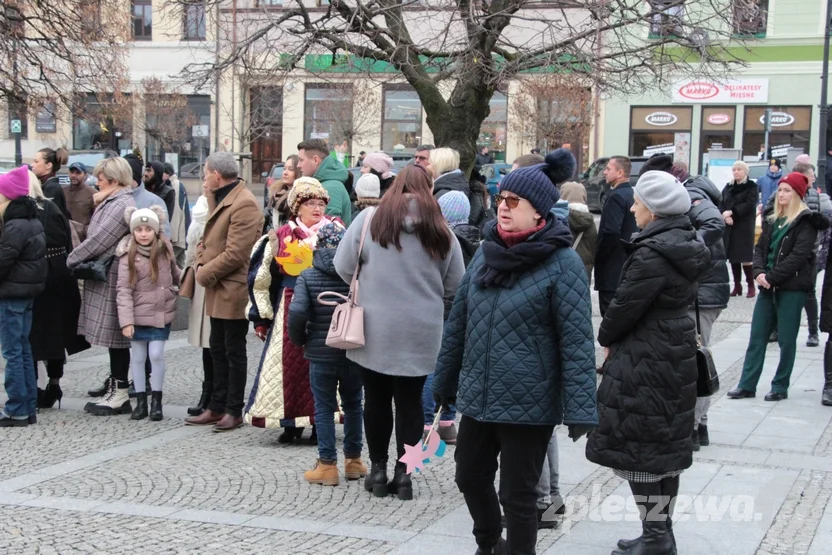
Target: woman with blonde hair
<point x="98" y="321"/>
<point x="449" y="177"/>
<point x="784" y="263"/>
<point x="739" y="210"/>
<point x="55" y="311"/>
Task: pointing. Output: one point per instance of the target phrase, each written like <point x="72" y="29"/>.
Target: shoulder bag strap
<point x="698" y="323"/>
<point x="578" y="239"/>
<point x="364" y="229"/>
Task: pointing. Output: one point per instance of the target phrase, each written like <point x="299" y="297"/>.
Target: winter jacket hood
<point x="23" y="265"/>
<point x="331" y="170"/>
<point x="469" y="237"/>
<point x="451" y="181"/>
<point x="675" y="240"/>
<point x="324" y="260"/>
<point x="705" y="217"/>
<point x="700" y="187"/>
<point x="333" y="176"/>
<point x="580" y="218"/>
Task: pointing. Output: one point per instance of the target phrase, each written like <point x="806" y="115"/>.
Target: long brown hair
<point x="412" y="183"/>
<point x="158" y="250"/>
<point x="279" y="191"/>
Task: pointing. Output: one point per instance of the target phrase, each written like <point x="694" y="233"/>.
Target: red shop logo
<point x="699" y="90"/>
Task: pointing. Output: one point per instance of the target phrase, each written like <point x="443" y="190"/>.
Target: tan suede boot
<point x="324" y="473"/>
<point x="354" y="469"/>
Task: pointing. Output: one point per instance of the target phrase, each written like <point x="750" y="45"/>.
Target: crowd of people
<point x="475" y="308"/>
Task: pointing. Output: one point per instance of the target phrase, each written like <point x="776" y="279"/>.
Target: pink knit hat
<point x="380" y="162"/>
<point x="15" y="184"/>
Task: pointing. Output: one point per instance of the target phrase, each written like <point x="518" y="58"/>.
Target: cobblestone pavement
<point x="82" y="484"/>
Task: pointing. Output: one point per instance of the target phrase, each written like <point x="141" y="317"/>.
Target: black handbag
<point x="707" y="382"/>
<point x="94" y="270"/>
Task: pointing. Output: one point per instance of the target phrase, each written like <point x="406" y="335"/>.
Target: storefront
<point x="791" y="126"/>
<point x="661" y="130"/>
<point x="717" y="129"/>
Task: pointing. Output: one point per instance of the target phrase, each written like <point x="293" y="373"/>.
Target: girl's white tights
<point x="139" y="351"/>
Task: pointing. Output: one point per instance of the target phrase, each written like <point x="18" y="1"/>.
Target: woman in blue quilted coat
<point x="648" y="394"/>
<point x="517" y="359"/>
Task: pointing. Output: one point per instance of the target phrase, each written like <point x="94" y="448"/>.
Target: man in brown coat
<point x="234" y="224"/>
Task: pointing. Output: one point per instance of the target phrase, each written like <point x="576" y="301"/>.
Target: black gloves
<point x="443" y="402"/>
<point x="578" y="430"/>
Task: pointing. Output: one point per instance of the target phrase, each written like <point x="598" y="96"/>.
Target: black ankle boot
<point x="656" y="539"/>
<point x="140" y="412"/>
<point x="204" y="400"/>
<point x="694" y="440"/>
<point x="826" y="398"/>
<point x="156" y="406"/>
<point x="376" y="480"/>
<point x="704" y="438"/>
<point x="401" y="485"/>
<point x="50" y="395"/>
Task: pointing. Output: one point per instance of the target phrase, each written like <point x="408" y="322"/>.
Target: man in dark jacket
<point x="616" y="227"/>
<point x="329" y="369"/>
<point x="714" y="286"/>
<point x="22" y="278"/>
<point x="155" y="183"/>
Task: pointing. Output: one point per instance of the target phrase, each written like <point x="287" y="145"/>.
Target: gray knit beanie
<point x="662" y="194"/>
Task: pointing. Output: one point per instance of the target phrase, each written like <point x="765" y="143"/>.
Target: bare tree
<point x="552" y="109"/>
<point x="168" y="119"/>
<point x="49" y="51"/>
<point x="473" y="47"/>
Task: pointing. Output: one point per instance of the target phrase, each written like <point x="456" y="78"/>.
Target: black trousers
<point x="228" y="351"/>
<point x="478" y="446"/>
<point x="380" y="391"/>
<point x="604" y="300"/>
<point x="207" y="366"/>
<point x="54" y="369"/>
<point x="120" y="363"/>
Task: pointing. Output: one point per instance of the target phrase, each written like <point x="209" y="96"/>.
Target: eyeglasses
<point x="511" y="202"/>
<point x="315" y="204"/>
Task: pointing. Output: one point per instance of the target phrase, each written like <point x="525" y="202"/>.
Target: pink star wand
<point x="417" y="456"/>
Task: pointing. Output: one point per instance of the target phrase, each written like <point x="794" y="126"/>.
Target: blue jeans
<point x="325" y="380"/>
<point x="21" y="382"/>
<point x="429" y="405"/>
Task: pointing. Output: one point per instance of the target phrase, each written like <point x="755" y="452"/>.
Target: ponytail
<point x="58" y="158"/>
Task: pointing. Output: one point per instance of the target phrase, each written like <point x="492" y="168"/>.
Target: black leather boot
<point x="204" y="399"/>
<point x="655" y="538"/>
<point x="156" y="406"/>
<point x="826" y="398"/>
<point x="376" y="480"/>
<point x="694" y="440"/>
<point x="140" y="412"/>
<point x="401" y="485"/>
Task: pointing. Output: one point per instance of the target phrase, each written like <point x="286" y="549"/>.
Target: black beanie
<point x="658" y="163"/>
<point x="137" y="167"/>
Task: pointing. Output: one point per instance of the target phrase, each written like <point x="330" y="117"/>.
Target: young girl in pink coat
<point x="146" y="297"/>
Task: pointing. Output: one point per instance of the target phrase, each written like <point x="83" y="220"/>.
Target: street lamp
<point x="824" y="109"/>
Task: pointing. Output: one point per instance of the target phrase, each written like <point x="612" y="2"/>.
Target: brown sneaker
<point x="448" y="434"/>
<point x="323" y="473"/>
<point x="354" y="469"/>
<point x="205" y="419"/>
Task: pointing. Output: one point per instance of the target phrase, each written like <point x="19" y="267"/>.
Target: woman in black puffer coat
<point x="647" y="396"/>
<point x="22" y="278"/>
<point x="739" y="210"/>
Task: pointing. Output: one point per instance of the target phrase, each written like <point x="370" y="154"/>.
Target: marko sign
<point x="719" y="119"/>
<point x="661" y="119"/>
<point x="732" y="91"/>
<point x="778" y="119"/>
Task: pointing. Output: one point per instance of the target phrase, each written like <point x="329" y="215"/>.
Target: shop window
<point x="270" y="3"/>
<point x="493" y="129"/>
<point x="101" y="124"/>
<point x="193" y="20"/>
<point x="401" y="126"/>
<point x="791" y="128"/>
<point x="328" y="113"/>
<point x="667" y="19"/>
<point x="184" y="141"/>
<point x="17" y="110"/>
<point x="266" y="131"/>
<point x="750" y="18"/>
<point x="717" y="129"/>
<point x="142" y="20"/>
<point x="661" y="130"/>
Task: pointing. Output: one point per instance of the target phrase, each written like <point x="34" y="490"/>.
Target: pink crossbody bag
<point x="347" y="328"/>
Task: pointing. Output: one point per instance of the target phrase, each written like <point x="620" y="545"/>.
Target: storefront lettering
<point x="699" y="90"/>
<point x="719" y="119"/>
<point x="702" y="91"/>
<point x="661" y="119"/>
<point x="778" y="119"/>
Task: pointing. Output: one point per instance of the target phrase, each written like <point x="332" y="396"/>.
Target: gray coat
<point x="401" y="293"/>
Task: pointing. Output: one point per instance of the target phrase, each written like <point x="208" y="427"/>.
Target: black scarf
<point x="503" y="265"/>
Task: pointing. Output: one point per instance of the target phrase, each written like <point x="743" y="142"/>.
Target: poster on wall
<point x="666" y="148"/>
<point x="172" y="158"/>
<point x="719" y="171"/>
<point x="45" y="121"/>
<point x="681" y="149"/>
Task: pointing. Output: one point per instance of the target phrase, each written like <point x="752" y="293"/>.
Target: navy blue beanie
<point x="532" y="184"/>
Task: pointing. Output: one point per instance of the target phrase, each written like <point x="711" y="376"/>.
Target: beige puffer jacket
<point x="146" y="303"/>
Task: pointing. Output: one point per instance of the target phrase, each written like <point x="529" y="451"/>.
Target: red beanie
<point x="798" y="182"/>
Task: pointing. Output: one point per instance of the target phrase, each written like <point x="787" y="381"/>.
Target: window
<point x="790" y="128"/>
<point x="667" y="18"/>
<point x="270" y="3"/>
<point x="661" y="130"/>
<point x="493" y="129"/>
<point x="328" y="113"/>
<point x="100" y="124"/>
<point x="401" y="126"/>
<point x="750" y="17"/>
<point x="89" y="11"/>
<point x="193" y="21"/>
<point x="142" y="20"/>
<point x="717" y="129"/>
<point x="17" y="110"/>
<point x="184" y="141"/>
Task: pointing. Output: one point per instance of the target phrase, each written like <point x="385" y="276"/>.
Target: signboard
<point x="778" y="119"/>
<point x="45" y="121"/>
<point x="661" y="119"/>
<point x="172" y="158"/>
<point x="719" y="171"/>
<point x="719" y="119"/>
<point x="780" y="151"/>
<point x="732" y="91"/>
<point x="667" y="148"/>
<point x="17" y="126"/>
<point x="199" y="131"/>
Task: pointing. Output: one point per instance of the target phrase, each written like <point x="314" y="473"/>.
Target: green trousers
<point x="781" y="309"/>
